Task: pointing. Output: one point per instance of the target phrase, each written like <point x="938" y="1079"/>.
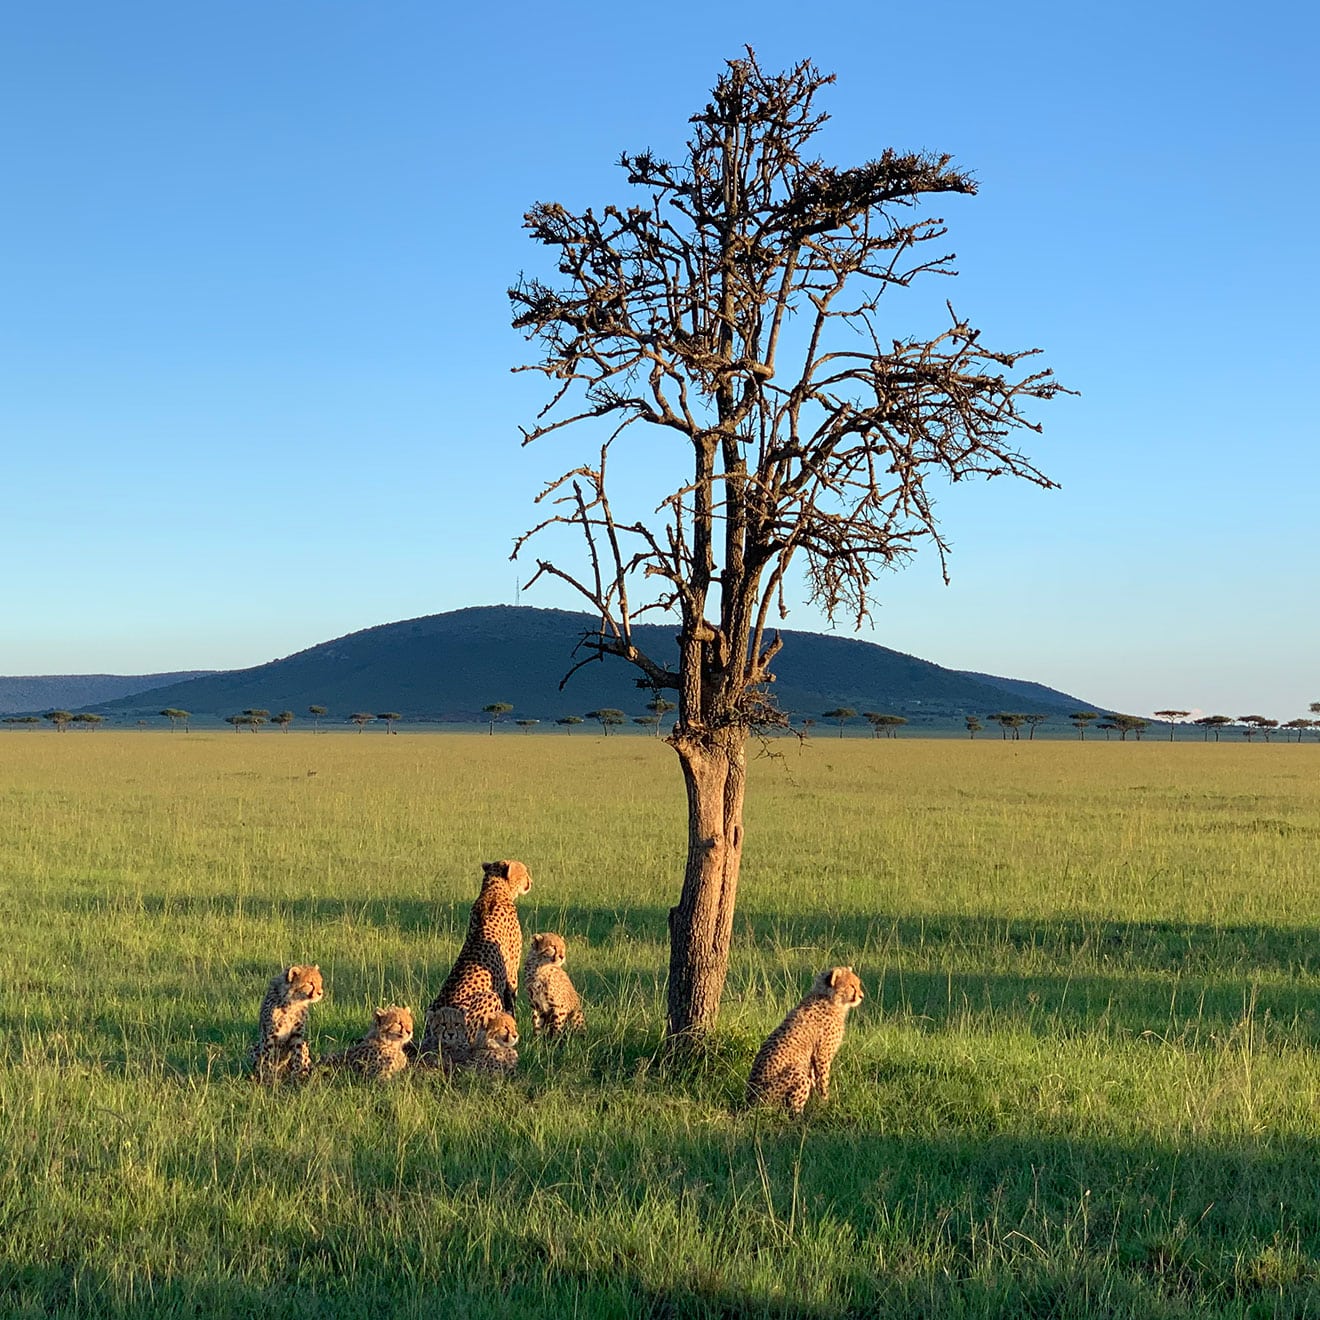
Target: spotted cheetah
<point x="495" y="1049"/>
<point x="555" y="1003"/>
<point x="795" y="1059"/>
<point x="486" y="970"/>
<point x="379" y="1054"/>
<point x="281" y="1052"/>
<point x="448" y="1029"/>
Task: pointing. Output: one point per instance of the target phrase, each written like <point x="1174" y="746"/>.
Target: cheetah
<point x="495" y="1049"/>
<point x="379" y="1054"/>
<point x="281" y="1052"/>
<point x="555" y="1003"/>
<point x="795" y="1059"/>
<point x="484" y="979"/>
<point x="447" y="1028"/>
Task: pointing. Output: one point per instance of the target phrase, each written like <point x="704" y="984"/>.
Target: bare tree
<point x="733" y="310"/>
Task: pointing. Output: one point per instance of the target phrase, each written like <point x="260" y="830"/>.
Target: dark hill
<point x="448" y="666"/>
<point x="41" y="692"/>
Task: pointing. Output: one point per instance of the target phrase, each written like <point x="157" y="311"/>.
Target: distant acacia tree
<point x="283" y="719"/>
<point x="1173" y="716"/>
<point x="1034" y="721"/>
<point x="659" y="707"/>
<point x="241" y="722"/>
<point x="316" y="712"/>
<point x="1126" y="724"/>
<point x="60" y="719"/>
<point x="891" y="724"/>
<point x="176" y="717"/>
<point x="566" y="722"/>
<point x="1009" y="723"/>
<point x="390" y="718"/>
<point x="974" y="725"/>
<point x="30" y="721"/>
<point x="1299" y="726"/>
<point x="497" y="710"/>
<point x="1212" y="724"/>
<point x="88" y="720"/>
<point x="1080" y="719"/>
<point x="1254" y="724"/>
<point x="527" y="725"/>
<point x="257" y="717"/>
<point x="608" y="718"/>
<point x="840" y="715"/>
<point x="1106" y="727"/>
<point x="651" y="722"/>
<point x="735" y="312"/>
<point x="361" y="718"/>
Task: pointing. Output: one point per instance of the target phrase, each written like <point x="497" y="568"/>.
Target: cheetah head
<point x="450" y="1028"/>
<point x="842" y="986"/>
<point x="514" y="876"/>
<point x="305" y="983"/>
<point x="549" y="948"/>
<point x="500" y="1030"/>
<point x="393" y="1024"/>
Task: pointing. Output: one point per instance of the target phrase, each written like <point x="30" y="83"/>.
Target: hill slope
<point x="448" y="666"/>
<point x="46" y="692"/>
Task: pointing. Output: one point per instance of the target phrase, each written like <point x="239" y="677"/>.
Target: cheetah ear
<point x="495" y="868"/>
<point x="838" y="973"/>
<point x="382" y="1014"/>
<point x="290" y="974"/>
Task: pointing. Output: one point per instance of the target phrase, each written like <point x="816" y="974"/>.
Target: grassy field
<point x="1084" y="1083"/>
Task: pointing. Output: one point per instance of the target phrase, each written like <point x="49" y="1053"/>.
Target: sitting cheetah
<point x="495" y="1049"/>
<point x="281" y="1052"/>
<point x="447" y="1027"/>
<point x="795" y="1059"/>
<point x="555" y="1003"/>
<point x="484" y="979"/>
<point x="379" y="1054"/>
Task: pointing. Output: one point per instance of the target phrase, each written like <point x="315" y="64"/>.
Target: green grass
<point x="1084" y="1082"/>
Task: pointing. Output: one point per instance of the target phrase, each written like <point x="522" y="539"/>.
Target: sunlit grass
<point x="1084" y="1082"/>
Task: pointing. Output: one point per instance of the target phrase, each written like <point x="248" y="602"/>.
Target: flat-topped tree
<point x="495" y="712"/>
<point x="316" y="712"/>
<point x="361" y="718"/>
<point x="283" y="719"/>
<point x="390" y="718"/>
<point x="840" y="715"/>
<point x="731" y="310"/>
<point x="177" y="717"/>
<point x="1080" y="719"/>
<point x="566" y="722"/>
<point x="973" y="725"/>
<point x="60" y="719"/>
<point x="608" y="718"/>
<point x="1172" y="716"/>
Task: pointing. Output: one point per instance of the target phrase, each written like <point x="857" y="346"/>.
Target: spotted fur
<point x="795" y="1059"/>
<point x="484" y="979"/>
<point x="547" y="987"/>
<point x="495" y="1049"/>
<point x="281" y="1053"/>
<point x="379" y="1054"/>
<point x="447" y="1027"/>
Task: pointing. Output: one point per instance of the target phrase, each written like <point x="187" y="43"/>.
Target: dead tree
<point x="734" y="312"/>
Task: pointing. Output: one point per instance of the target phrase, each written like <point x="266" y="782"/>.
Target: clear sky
<point x="255" y="345"/>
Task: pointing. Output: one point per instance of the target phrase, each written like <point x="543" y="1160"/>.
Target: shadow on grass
<point x="764" y="1218"/>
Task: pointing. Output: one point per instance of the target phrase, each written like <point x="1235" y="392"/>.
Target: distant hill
<point x="1028" y="696"/>
<point x="448" y="666"/>
<point x="73" y="691"/>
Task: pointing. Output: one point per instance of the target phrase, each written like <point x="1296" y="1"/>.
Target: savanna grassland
<point x="1084" y="1083"/>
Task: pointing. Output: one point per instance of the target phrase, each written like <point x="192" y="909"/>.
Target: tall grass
<point x="1084" y="1082"/>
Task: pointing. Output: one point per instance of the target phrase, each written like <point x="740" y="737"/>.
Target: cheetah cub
<point x="281" y="1052"/>
<point x="495" y="1049"/>
<point x="795" y="1059"/>
<point x="379" y="1054"/>
<point x="446" y="1027"/>
<point x="555" y="1003"/>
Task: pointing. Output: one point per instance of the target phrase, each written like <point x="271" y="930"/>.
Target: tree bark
<point x="701" y="924"/>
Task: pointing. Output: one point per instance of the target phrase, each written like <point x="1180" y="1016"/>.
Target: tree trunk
<point x="701" y="924"/>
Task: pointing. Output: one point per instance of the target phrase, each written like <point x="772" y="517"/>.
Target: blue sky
<point x="255" y="351"/>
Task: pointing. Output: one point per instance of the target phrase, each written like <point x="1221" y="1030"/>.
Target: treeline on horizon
<point x="610" y="719"/>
